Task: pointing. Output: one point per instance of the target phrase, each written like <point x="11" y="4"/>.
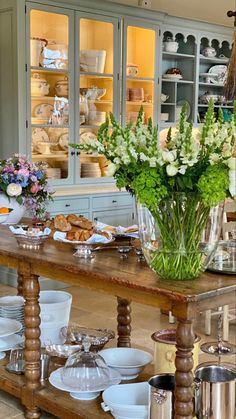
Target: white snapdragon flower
<point x="214" y="158"/>
<point x="182" y="169"/>
<point x="231" y="163"/>
<point x="111" y="169"/>
<point x="171" y="170"/>
<point x="169" y="156"/>
<point x="152" y="162"/>
<point x="232" y="182"/>
<point x="143" y="157"/>
<point x="14" y="189"/>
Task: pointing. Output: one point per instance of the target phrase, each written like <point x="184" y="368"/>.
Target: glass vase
<point x="179" y="238"/>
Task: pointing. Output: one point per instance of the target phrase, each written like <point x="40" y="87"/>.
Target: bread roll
<point x="80" y="221"/>
<point x="61" y="223"/>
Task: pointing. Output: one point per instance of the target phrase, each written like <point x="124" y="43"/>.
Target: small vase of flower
<point x="23" y="187"/>
<point x="179" y="188"/>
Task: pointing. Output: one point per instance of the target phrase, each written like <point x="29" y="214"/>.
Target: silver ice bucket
<point x="215" y="388"/>
<point x="161" y="396"/>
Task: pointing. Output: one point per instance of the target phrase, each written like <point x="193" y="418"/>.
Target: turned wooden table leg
<point x="183" y="375"/>
<point x="32" y="343"/>
<point x="19" y="284"/>
<point x="123" y="322"/>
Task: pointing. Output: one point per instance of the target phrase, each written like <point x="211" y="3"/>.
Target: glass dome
<point x="87" y="371"/>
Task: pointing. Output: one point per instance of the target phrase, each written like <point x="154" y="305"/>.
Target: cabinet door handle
<point x="67" y="205"/>
<point x="114" y="201"/>
<point x="77" y="153"/>
<point x="72" y="153"/>
<point x="95" y="219"/>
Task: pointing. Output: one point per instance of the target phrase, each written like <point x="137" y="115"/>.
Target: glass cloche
<point x="87" y="371"/>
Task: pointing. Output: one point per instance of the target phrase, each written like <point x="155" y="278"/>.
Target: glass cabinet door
<point x="50" y="90"/>
<point x="98" y="56"/>
<point x="140" y="81"/>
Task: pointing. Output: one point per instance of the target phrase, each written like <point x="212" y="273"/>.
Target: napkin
<point x="94" y="239"/>
<point x="120" y="229"/>
<point x="21" y="231"/>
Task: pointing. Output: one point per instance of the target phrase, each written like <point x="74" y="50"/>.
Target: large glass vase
<point x="179" y="238"/>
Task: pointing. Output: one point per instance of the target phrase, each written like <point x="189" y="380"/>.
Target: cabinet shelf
<point x="49" y="97"/>
<point x="169" y="104"/>
<point x="203" y="105"/>
<point x="93" y="75"/>
<point x="211" y="84"/>
<point x="139" y="79"/>
<point x="49" y="126"/>
<point x="138" y="103"/>
<point x="101" y="102"/>
<point x="178" y="55"/>
<point x="178" y="81"/>
<point x="214" y="60"/>
<point x="50" y="70"/>
<point x="50" y="156"/>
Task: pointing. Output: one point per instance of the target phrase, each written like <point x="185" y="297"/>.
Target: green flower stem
<point x="181" y="222"/>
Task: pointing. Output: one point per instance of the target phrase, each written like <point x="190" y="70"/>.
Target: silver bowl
<point x="30" y="242"/>
<point x="62" y="351"/>
<point x="75" y="334"/>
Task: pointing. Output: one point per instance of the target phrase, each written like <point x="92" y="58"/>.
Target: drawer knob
<point x="114" y="201"/>
<point x="67" y="205"/>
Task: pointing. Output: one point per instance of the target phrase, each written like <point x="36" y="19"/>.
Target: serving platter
<point x="221" y="71"/>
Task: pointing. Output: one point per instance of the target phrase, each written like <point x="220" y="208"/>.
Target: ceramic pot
<point x="62" y="87"/>
<point x="170" y="45"/>
<point x="165" y="349"/>
<point x="39" y="86"/>
<point x="18" y="210"/>
<point x="209" y="52"/>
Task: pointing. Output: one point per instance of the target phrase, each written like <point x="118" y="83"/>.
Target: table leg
<point x="123" y="322"/>
<point x="19" y="284"/>
<point x="32" y="343"/>
<point x="183" y="375"/>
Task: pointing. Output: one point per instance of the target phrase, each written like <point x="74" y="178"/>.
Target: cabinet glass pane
<point x="49" y="58"/>
<point x="140" y="72"/>
<point x="96" y="88"/>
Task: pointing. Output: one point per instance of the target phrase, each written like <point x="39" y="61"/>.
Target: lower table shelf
<point x="57" y="402"/>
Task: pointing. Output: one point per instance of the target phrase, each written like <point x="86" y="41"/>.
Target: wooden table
<point x="126" y="279"/>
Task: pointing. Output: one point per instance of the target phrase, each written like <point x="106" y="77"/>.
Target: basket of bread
<point x="80" y="232"/>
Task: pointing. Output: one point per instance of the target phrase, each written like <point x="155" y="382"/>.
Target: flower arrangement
<point x="202" y="167"/>
<point x="27" y="183"/>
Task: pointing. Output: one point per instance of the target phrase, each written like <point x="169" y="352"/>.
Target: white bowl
<point x="127" y="401"/>
<point x="128" y="361"/>
<point x="164" y="116"/>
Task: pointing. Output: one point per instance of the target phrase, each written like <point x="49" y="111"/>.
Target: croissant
<point x="80" y="221"/>
<point x="61" y="223"/>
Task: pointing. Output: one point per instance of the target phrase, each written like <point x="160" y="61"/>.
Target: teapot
<point x="164" y="97"/>
<point x="209" y="52"/>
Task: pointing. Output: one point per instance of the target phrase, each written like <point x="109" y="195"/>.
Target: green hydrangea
<point x="148" y="187"/>
<point x="213" y="184"/>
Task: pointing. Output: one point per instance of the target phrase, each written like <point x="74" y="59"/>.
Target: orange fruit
<point x="4" y="210"/>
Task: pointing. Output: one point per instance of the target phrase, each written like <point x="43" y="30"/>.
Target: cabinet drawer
<point x="69" y="205"/>
<point x="123" y="217"/>
<point x="112" y="201"/>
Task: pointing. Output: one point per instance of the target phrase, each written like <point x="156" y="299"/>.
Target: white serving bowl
<point x="127" y="401"/>
<point x="128" y="361"/>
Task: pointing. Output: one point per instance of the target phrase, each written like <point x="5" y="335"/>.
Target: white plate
<point x="10" y="342"/>
<point x="43" y="110"/>
<point x="221" y="71"/>
<point x="56" y="381"/>
<point x="9" y="327"/>
<point x="179" y="105"/>
<point x="12" y="301"/>
<point x="64" y="141"/>
<point x="39" y="134"/>
<point x="87" y="136"/>
<point x="172" y="76"/>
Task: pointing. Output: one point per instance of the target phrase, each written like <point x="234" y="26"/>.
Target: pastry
<point x="61" y="223"/>
<point x="80" y="221"/>
<point x="83" y="235"/>
<point x="70" y="235"/>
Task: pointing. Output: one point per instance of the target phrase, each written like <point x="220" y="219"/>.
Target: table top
<point x="57" y="260"/>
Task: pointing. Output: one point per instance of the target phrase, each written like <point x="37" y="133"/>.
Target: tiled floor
<point x="98" y="310"/>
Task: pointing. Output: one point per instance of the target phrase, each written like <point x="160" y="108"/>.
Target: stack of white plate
<point x="90" y="169"/>
<point x="12" y="307"/>
<point x="53" y="173"/>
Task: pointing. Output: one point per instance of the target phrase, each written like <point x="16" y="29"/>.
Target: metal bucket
<point x="215" y="388"/>
<point x="161" y="396"/>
